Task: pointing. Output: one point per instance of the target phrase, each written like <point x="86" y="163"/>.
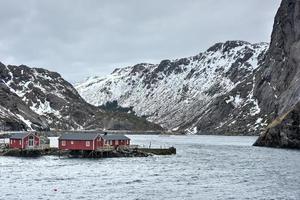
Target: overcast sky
<point x="80" y="38"/>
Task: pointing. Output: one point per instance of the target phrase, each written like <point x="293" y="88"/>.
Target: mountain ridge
<point x="207" y="76"/>
<point x="43" y="100"/>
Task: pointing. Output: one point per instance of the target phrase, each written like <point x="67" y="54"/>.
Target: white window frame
<point x="87" y="143"/>
<point x="72" y="142"/>
<point x="63" y="143"/>
<point x="31" y="140"/>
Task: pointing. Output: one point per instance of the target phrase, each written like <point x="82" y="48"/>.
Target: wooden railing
<point x="106" y="148"/>
<point x="128" y="146"/>
<point x="110" y="148"/>
<point x="40" y="147"/>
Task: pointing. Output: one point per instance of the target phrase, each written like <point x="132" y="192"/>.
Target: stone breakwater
<point x="119" y="152"/>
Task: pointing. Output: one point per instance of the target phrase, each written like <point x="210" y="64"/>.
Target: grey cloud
<point x="80" y="38"/>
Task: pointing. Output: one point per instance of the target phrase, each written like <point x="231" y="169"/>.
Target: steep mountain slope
<point x="278" y="80"/>
<point x="210" y="92"/>
<point x="46" y="95"/>
<point x="15" y="114"/>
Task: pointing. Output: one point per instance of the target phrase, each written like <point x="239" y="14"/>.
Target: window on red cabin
<point x="63" y="143"/>
<point x="72" y="142"/>
<point x="20" y="142"/>
<point x="87" y="143"/>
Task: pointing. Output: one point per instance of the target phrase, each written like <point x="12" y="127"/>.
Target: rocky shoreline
<point x="118" y="152"/>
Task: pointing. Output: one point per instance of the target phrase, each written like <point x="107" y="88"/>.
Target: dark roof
<point x="19" y="135"/>
<point x="114" y="137"/>
<point x="78" y="136"/>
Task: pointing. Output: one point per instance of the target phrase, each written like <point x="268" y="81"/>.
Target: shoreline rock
<point x="283" y="132"/>
<point x="116" y="153"/>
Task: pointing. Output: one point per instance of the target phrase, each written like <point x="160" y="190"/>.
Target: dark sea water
<point x="205" y="167"/>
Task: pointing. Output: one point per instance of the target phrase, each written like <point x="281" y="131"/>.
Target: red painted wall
<point x="15" y="143"/>
<point x="23" y="144"/>
<point x="81" y="144"/>
<point x="26" y="139"/>
<point x="99" y="142"/>
<point x="119" y="143"/>
<point x="124" y="142"/>
<point x="76" y="145"/>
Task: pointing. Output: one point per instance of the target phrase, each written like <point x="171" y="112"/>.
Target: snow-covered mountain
<point x="35" y="98"/>
<point x="210" y="92"/>
<point x="16" y="114"/>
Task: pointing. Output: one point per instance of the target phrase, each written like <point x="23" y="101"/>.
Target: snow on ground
<point x="168" y="97"/>
<point x="35" y="80"/>
<point x="26" y="121"/>
<point x="42" y="108"/>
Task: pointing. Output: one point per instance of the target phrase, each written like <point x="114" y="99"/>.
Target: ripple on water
<point x="206" y="167"/>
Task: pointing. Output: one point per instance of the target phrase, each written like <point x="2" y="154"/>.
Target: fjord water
<point x="205" y="167"/>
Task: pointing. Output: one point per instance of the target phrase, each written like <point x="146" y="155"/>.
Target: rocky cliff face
<point x="212" y="92"/>
<point x="278" y="80"/>
<point x="15" y="114"/>
<point x="284" y="131"/>
<point x="34" y="98"/>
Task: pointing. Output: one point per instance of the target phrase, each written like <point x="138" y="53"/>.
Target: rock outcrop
<point x="278" y="79"/>
<point x="283" y="132"/>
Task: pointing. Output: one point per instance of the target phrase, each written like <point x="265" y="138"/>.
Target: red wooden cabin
<point x="80" y="141"/>
<point x="24" y="140"/>
<point x="115" y="140"/>
<point x="90" y="141"/>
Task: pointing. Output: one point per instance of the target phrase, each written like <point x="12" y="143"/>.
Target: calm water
<point x="205" y="167"/>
